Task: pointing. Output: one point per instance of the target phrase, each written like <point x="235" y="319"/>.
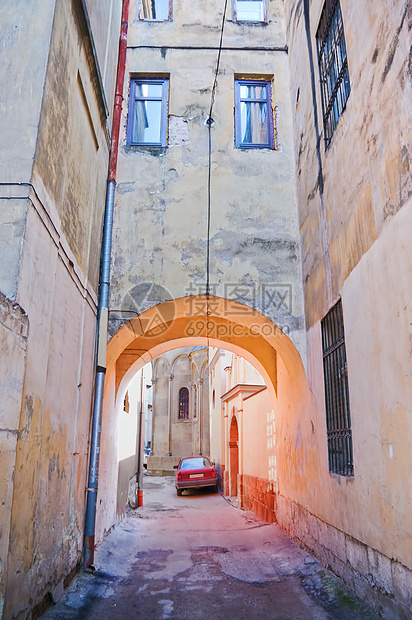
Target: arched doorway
<point x="233" y="457"/>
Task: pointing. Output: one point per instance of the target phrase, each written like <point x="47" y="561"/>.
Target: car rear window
<point x="196" y="463"/>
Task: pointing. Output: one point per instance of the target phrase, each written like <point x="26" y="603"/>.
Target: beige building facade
<point x="180" y="415"/>
<point x="263" y="206"/>
<point x="334" y="186"/>
<point x="354" y="189"/>
<point x="58" y="69"/>
<point x="243" y="437"/>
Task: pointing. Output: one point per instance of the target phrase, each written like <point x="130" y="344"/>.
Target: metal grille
<point x="335" y="374"/>
<point x="183" y="404"/>
<point x="333" y="66"/>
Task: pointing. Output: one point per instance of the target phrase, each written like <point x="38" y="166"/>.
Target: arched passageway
<point x="213" y="322"/>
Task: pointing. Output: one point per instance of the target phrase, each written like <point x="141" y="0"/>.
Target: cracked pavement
<point x="198" y="556"/>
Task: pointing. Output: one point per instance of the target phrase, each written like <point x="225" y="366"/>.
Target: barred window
<point x="335" y="375"/>
<point x="333" y="66"/>
<point x="183" y="403"/>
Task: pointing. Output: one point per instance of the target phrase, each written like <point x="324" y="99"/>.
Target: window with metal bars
<point x="333" y="66"/>
<point x="183" y="403"/>
<point x="335" y="374"/>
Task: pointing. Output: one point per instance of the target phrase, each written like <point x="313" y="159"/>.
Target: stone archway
<point x="214" y="322"/>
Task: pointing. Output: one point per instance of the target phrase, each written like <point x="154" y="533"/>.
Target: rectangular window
<point x="254" y="126"/>
<point x="249" y="10"/>
<point x="160" y="10"/>
<point x="335" y="375"/>
<point x="147" y="120"/>
<point x="333" y="66"/>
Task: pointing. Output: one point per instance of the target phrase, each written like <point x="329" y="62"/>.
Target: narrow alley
<point x="198" y="556"/>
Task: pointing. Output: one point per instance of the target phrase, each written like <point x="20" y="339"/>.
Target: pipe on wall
<point x="103" y="305"/>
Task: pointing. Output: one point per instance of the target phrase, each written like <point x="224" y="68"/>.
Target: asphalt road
<point x="199" y="557"/>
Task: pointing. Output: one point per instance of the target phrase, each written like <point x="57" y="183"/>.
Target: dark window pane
<point x="333" y="66"/>
<point x="184" y="404"/>
<point x="338" y="422"/>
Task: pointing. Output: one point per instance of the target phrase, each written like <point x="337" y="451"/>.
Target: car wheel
<point x="179" y="492"/>
<point x="216" y="488"/>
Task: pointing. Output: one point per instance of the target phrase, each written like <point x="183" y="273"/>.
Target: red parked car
<point x="195" y="472"/>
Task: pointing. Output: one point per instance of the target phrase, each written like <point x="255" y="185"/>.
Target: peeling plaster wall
<point x="161" y="202"/>
<point x="13" y="342"/>
<point x="105" y="17"/>
<point x="24" y="43"/>
<point x="366" y="170"/>
<point x="355" y="213"/>
<point x="54" y="261"/>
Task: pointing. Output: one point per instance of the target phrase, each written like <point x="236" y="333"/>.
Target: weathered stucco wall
<point x="354" y="210"/>
<point x="350" y="191"/>
<point x="105" y="17"/>
<point x="55" y="106"/>
<point x="259" y="446"/>
<point x="24" y="44"/>
<point x="161" y="205"/>
<point x="218" y="361"/>
<point x="13" y="340"/>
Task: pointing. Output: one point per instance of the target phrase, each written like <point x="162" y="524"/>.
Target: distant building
<point x="180" y="414"/>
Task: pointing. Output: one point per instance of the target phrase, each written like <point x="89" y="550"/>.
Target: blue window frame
<point x="249" y="11"/>
<point x="254" y="126"/>
<point x="156" y="10"/>
<point x="147" y="122"/>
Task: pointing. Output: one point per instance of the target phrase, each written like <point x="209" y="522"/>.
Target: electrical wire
<point x="209" y="123"/>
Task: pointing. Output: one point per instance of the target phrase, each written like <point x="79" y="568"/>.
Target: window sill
<point x="146" y="149"/>
<point x="256" y="147"/>
<point x="245" y="22"/>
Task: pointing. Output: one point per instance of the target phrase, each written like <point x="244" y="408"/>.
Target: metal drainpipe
<point x="103" y="306"/>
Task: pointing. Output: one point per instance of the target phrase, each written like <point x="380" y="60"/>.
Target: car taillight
<point x="214" y="474"/>
<point x="179" y="476"/>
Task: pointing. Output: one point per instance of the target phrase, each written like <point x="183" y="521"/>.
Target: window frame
<point x="148" y="19"/>
<point x="164" y="110"/>
<point x="336" y="389"/>
<point x="186" y="413"/>
<point x="251" y="21"/>
<point x="271" y="144"/>
<point x="333" y="67"/>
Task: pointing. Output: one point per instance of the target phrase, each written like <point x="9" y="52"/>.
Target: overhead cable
<point x="209" y="122"/>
